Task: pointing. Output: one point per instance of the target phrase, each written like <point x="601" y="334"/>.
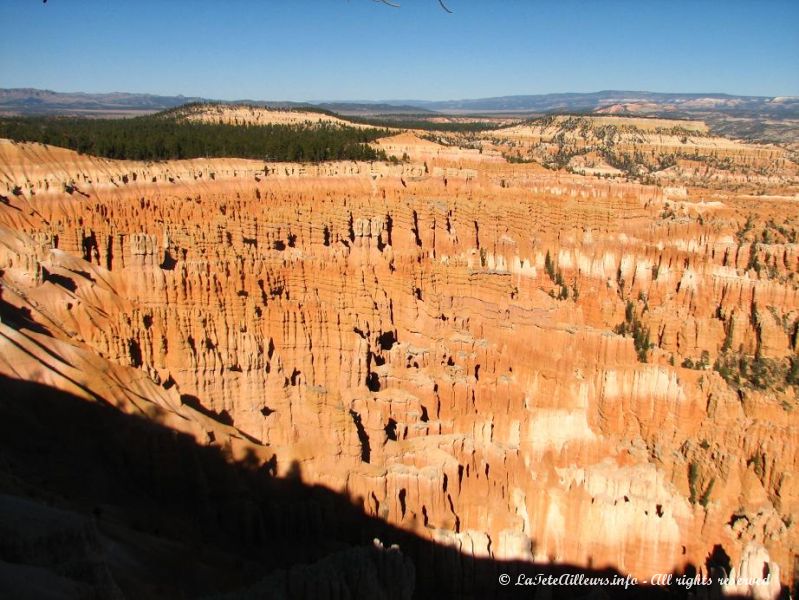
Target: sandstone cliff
<point x="237" y="114"/>
<point x="510" y="361"/>
<point x="675" y="152"/>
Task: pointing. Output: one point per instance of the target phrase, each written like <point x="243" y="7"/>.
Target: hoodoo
<point x="516" y="363"/>
<point x="257" y="345"/>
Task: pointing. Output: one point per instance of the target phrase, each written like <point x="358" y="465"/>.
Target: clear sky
<point x="361" y="49"/>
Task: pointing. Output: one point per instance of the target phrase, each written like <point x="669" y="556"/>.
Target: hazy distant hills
<point x="373" y="108"/>
<point x="30" y="101"/>
<point x="33" y="101"/>
<point x="622" y="102"/>
<point x="753" y="118"/>
<point x="758" y="118"/>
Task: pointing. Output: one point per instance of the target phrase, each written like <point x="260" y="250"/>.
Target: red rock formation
<point x="441" y="342"/>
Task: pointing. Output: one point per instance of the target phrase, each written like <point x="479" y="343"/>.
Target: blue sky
<point x="361" y="49"/>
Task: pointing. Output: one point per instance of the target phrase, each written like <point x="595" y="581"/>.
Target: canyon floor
<point x="560" y="346"/>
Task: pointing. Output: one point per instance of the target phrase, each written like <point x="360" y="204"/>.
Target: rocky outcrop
<point x="513" y="362"/>
<point x="238" y="114"/>
<point x="666" y="151"/>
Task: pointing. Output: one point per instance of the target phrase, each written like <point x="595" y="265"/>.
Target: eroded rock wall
<point x="439" y="341"/>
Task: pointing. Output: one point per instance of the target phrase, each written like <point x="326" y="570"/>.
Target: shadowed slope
<point x="94" y="500"/>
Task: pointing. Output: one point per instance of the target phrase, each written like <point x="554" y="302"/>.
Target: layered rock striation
<point x="513" y="362"/>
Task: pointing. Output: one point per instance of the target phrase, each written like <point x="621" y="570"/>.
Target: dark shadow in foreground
<point x="96" y="502"/>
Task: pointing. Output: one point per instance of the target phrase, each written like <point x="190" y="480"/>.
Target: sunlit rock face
<point x="449" y="341"/>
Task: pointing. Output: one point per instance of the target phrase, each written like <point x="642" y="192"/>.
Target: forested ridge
<point x="155" y="138"/>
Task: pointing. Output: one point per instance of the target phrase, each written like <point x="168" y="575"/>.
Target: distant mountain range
<point x="34" y="101"/>
<point x="30" y="101"/>
<point x="362" y="108"/>
<point x="620" y="102"/>
<point x="756" y="118"/>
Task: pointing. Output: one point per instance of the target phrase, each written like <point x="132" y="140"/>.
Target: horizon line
<point x="399" y="100"/>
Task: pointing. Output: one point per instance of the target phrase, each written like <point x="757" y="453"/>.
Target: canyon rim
<point x="489" y="348"/>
